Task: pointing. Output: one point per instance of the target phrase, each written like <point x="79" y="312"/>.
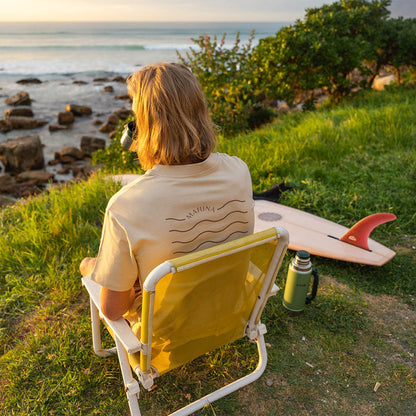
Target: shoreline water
<point x="68" y="57"/>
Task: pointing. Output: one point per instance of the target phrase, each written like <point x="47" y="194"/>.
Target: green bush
<point x="114" y="158"/>
<point x="225" y="75"/>
<point x="397" y="45"/>
<point x="320" y="51"/>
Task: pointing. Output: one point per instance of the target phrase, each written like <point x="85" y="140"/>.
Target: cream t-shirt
<point x="171" y="211"/>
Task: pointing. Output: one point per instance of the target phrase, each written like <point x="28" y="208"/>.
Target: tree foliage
<point x="335" y="48"/>
<point x="322" y="50"/>
<point x="225" y="74"/>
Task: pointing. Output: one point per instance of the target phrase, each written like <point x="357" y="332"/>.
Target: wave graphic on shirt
<point x="205" y="226"/>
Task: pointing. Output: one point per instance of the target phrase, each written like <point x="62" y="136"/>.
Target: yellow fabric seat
<point x="193" y="305"/>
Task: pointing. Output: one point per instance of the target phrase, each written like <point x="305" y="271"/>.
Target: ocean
<point x="68" y="57"/>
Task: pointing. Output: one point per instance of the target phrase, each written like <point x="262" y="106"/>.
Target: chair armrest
<point x="120" y="327"/>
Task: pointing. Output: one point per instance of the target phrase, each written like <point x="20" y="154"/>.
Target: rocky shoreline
<point x="24" y="170"/>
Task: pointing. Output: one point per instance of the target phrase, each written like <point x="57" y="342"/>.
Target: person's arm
<point x="113" y="304"/>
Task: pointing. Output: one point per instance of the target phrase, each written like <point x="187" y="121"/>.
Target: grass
<point x="345" y="162"/>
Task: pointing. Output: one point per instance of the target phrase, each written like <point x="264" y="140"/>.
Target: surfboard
<point x="318" y="236"/>
<point x="325" y="238"/>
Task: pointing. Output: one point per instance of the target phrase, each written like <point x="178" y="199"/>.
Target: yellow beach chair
<point x="192" y="305"/>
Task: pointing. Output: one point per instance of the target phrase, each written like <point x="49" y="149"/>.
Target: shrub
<point x="321" y="51"/>
<point x="114" y="158"/>
<point x="397" y="47"/>
<point x="225" y="75"/>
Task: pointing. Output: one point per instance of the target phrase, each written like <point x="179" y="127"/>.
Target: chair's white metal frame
<point x="127" y="342"/>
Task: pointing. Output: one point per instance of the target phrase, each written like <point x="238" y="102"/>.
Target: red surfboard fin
<point x="359" y="233"/>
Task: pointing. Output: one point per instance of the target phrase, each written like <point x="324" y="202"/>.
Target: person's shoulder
<point x="230" y="160"/>
<point x="129" y="193"/>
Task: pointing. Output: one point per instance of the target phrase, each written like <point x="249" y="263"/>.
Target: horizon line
<point x="146" y="21"/>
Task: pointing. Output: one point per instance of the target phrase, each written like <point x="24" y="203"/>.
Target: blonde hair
<point x="173" y="124"/>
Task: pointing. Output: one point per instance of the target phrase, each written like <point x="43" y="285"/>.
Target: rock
<point x="97" y="123"/>
<point x="29" y="81"/>
<point x="107" y="128"/>
<point x="84" y="172"/>
<point x="123" y="113"/>
<point x="65" y="117"/>
<point x="119" y="78"/>
<point x="5" y="126"/>
<point x="35" y="177"/>
<point x="57" y="127"/>
<point x="381" y="81"/>
<point x="113" y="119"/>
<point x="112" y="134"/>
<point x="27" y="189"/>
<point x="71" y="151"/>
<point x="18" y="112"/>
<point x="7" y="183"/>
<point x="78" y="110"/>
<point x="283" y="108"/>
<point x="7" y="201"/>
<point x="91" y="144"/>
<point x="26" y="123"/>
<point x="22" y="153"/>
<point x="122" y="97"/>
<point x="80" y="82"/>
<point x="108" y="88"/>
<point x="103" y="79"/>
<point x="21" y="98"/>
<point x="66" y="159"/>
<point x="64" y="171"/>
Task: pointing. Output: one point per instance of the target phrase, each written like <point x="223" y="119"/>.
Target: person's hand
<point x="87" y="265"/>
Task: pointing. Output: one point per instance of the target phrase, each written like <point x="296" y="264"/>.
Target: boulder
<point x="123" y="113"/>
<point x="107" y="128"/>
<point x="6" y="201"/>
<point x="113" y="119"/>
<point x="100" y="79"/>
<point x="78" y="110"/>
<point x="22" y="153"/>
<point x="27" y="189"/>
<point x="7" y="183"/>
<point x="26" y="123"/>
<point x="91" y="144"/>
<point x="18" y="112"/>
<point x="72" y="152"/>
<point x="84" y="172"/>
<point x="35" y="177"/>
<point x="381" y="81"/>
<point x="119" y="78"/>
<point x="5" y="126"/>
<point x="283" y="108"/>
<point x="29" y="81"/>
<point x="57" y="127"/>
<point x="123" y="97"/>
<point x="21" y="98"/>
<point x="112" y="134"/>
<point x="108" y="88"/>
<point x="65" y="117"/>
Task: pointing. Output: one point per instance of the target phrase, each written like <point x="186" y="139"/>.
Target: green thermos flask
<point x="297" y="283"/>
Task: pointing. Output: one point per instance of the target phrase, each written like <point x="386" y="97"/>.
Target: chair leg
<point x="131" y="385"/>
<point x="232" y="387"/>
<point x="96" y="333"/>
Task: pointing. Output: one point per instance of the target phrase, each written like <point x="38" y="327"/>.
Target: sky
<point x="171" y="10"/>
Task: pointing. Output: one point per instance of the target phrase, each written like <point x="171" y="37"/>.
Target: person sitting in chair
<point x="190" y="197"/>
